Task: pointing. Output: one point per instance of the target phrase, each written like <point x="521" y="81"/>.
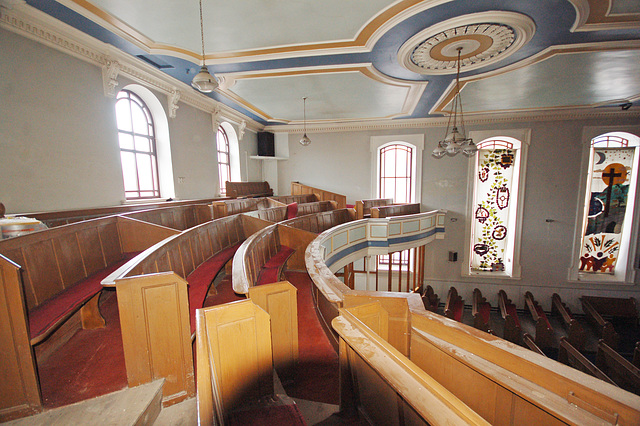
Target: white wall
<point x="58" y="137"/>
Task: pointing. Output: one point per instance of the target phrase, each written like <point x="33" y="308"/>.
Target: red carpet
<point x="90" y="364"/>
<point x="317" y="373"/>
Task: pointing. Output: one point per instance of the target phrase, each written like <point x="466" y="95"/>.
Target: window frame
<point x="628" y="277"/>
<point x="515" y="273"/>
<point x="227" y="152"/>
<point x="133" y="98"/>
<point x="415" y="141"/>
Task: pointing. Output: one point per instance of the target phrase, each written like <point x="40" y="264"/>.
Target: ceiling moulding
<point x="31" y="23"/>
<point x="440" y="106"/>
<point x="363" y="41"/>
<point x="593" y="15"/>
<point x="415" y="89"/>
<point x="551" y="115"/>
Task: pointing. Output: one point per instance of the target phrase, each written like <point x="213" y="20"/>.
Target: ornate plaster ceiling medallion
<point x="485" y="38"/>
<point x="479" y="43"/>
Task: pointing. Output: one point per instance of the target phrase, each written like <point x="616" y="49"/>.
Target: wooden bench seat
<point x="454" y="307"/>
<point x="430" y="299"/>
<point x="363" y="207"/>
<point x="571" y="356"/>
<point x="509" y="312"/>
<point x="545" y="337"/>
<point x="481" y="310"/>
<point x="576" y="333"/>
<point x="248" y="189"/>
<point x="271" y="271"/>
<point x="47" y="317"/>
<point x="395" y="210"/>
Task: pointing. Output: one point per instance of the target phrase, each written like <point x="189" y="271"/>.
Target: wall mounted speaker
<point x="266" y="146"/>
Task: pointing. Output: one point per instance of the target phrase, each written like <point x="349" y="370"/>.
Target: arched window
<point x="397" y="172"/>
<point x="609" y="207"/>
<point x="224" y="159"/>
<point x="495" y="204"/>
<point x="137" y="140"/>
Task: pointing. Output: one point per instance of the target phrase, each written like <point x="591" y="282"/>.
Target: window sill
<point x="146" y="201"/>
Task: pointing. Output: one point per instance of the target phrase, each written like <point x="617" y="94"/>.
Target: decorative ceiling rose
<point x="481" y="41"/>
<point x="485" y="38"/>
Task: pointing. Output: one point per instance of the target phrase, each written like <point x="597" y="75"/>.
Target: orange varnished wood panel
<point x="19" y="392"/>
<point x="279" y="300"/>
<point x="298" y="240"/>
<point x="233" y="344"/>
<point x="44" y="276"/>
<point x="137" y="236"/>
<point x="91" y="249"/>
<point x="156" y="336"/>
<point x="67" y="250"/>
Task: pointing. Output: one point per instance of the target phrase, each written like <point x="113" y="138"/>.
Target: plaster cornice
<point x="31" y="23"/>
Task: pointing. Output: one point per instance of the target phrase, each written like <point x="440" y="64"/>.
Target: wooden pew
<point x="454" y="308"/>
<point x="235" y="369"/>
<point x="298" y="188"/>
<point x="363" y="207"/>
<point x="248" y="189"/>
<point x="395" y="210"/>
<point x="320" y="222"/>
<point x="291" y="211"/>
<point x="299" y="198"/>
<point x="430" y="299"/>
<point x="615" y="307"/>
<point x="369" y="365"/>
<point x="175" y="217"/>
<point x="604" y="328"/>
<point x="545" y="337"/>
<point x="621" y="371"/>
<point x="225" y="208"/>
<point x="65" y="217"/>
<point x="571" y="356"/>
<point x="530" y="343"/>
<point x="164" y="285"/>
<point x="481" y="311"/>
<point x="576" y="333"/>
<point x="512" y="329"/>
<point x="57" y="273"/>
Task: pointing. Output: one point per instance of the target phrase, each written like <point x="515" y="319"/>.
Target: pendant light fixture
<point x="456" y="141"/>
<point x="203" y="81"/>
<point x="305" y="139"/>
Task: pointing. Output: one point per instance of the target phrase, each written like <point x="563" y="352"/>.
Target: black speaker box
<point x="266" y="147"/>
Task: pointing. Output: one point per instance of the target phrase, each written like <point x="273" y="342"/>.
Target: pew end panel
<point x="562" y="388"/>
<point x="279" y="300"/>
<point x="621" y="371"/>
<point x="508" y="311"/>
<point x="136" y="235"/>
<point x="454" y="307"/>
<point x="545" y="336"/>
<point x="19" y="390"/>
<point x="481" y="311"/>
<point x="298" y="240"/>
<point x="604" y="329"/>
<point x="571" y="356"/>
<point x="233" y="347"/>
<point x="156" y="333"/>
<point x="386" y="387"/>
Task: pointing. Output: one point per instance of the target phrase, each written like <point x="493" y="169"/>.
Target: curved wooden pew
<point x="524" y="388"/>
<point x="55" y="276"/>
<point x="291" y="211"/>
<point x="395" y="210"/>
<point x="224" y="208"/>
<point x="176" y="217"/>
<point x="363" y="207"/>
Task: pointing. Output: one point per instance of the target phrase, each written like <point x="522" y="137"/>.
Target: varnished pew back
<point x="320" y="222"/>
<point x="363" y="207"/>
<point x="395" y="210"/>
<point x="300" y="198"/>
<point x="230" y="207"/>
<point x="179" y="217"/>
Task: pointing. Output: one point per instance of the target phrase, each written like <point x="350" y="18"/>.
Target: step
<point x="132" y="406"/>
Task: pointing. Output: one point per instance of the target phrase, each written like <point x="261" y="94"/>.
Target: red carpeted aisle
<point x="317" y="373"/>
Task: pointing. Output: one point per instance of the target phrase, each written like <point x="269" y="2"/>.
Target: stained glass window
<point x="494" y="205"/>
<point x="610" y="191"/>
<point x="136" y="135"/>
<point x="224" y="159"/>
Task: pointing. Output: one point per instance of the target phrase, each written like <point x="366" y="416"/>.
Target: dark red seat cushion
<point x="42" y="318"/>
<point x="202" y="277"/>
<point x="292" y="210"/>
<point x="458" y="309"/>
<point x="511" y="310"/>
<point x="270" y="272"/>
<point x="485" y="312"/>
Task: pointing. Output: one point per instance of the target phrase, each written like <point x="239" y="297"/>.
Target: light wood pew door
<point x="235" y="364"/>
<point x="19" y="392"/>
<point x="156" y="333"/>
<point x="279" y="300"/>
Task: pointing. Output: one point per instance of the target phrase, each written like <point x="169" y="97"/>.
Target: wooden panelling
<point x="322" y="195"/>
<point x="19" y="392"/>
<point x="298" y="240"/>
<point x="156" y="336"/>
<point x="44" y="275"/>
<point x="89" y="242"/>
<point x="137" y="236"/>
<point x="279" y="300"/>
<point x="110" y="239"/>
<point x="373" y="316"/>
<point x="234" y="342"/>
<point x="395" y="210"/>
<point x="67" y="250"/>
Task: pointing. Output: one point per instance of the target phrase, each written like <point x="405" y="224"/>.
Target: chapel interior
<point x="364" y="213"/>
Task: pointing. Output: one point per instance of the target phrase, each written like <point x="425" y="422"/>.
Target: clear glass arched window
<point x="137" y="140"/>
<point x="224" y="159"/>
<point x="396" y="172"/>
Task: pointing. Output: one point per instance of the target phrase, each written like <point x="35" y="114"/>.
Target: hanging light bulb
<point x="455" y="141"/>
<point x="204" y="81"/>
<point x="305" y="139"/>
